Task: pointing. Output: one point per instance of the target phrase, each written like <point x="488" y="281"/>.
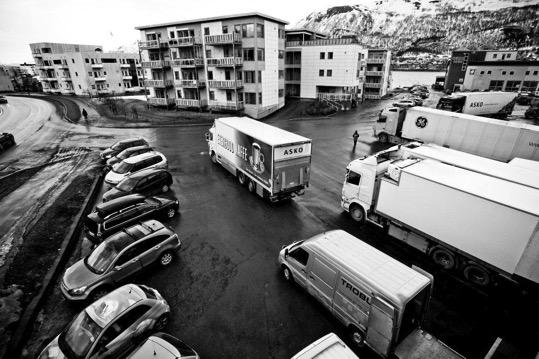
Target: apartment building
<point x="85" y="69"/>
<point x="456" y="71"/>
<point x="225" y="63"/>
<point x="377" y="66"/>
<point x="512" y="76"/>
<point x="5" y="80"/>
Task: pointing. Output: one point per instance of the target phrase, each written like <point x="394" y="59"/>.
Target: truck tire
<point x="383" y="138"/>
<point x="357" y="213"/>
<point x="251" y="186"/>
<point x="357" y="336"/>
<point x="476" y="274"/>
<point x="443" y="257"/>
<point x="241" y="178"/>
<point x="213" y="157"/>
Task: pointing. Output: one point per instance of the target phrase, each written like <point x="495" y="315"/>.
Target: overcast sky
<point x="111" y="22"/>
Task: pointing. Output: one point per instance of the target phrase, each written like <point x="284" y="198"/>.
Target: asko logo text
<point x="293" y="151"/>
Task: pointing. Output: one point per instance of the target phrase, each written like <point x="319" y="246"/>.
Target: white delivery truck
<point x="496" y="104"/>
<point x="328" y="347"/>
<point x="274" y="163"/>
<point x="379" y="300"/>
<point x="486" y="137"/>
<point x="478" y="224"/>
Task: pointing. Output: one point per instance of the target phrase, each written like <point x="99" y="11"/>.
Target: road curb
<point x="30" y="313"/>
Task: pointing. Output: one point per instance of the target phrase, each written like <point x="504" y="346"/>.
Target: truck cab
<point x="388" y="128"/>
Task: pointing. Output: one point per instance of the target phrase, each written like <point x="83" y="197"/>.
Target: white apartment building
<point x="85" y="69"/>
<point x="226" y="63"/>
<point x="512" y="76"/>
<point x="377" y="66"/>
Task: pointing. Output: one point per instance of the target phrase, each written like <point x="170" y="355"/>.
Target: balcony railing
<point x="97" y="66"/>
<point x="321" y="42"/>
<point x="66" y="78"/>
<point x="127" y="77"/>
<point x="228" y="106"/>
<point x="223" y="39"/>
<point x="68" y="91"/>
<point x="187" y="62"/>
<point x="153" y="44"/>
<point x="189" y="83"/>
<point x="374" y="85"/>
<point x="46" y="67"/>
<point x="48" y="78"/>
<point x="374" y="73"/>
<point x="225" y="61"/>
<point x="375" y="60"/>
<point x="334" y="96"/>
<point x="182" y="41"/>
<point x="36" y="52"/>
<point x="100" y="79"/>
<point x="158" y="83"/>
<point x="55" y="90"/>
<point x="156" y="64"/>
<point x="160" y="101"/>
<point x="124" y="66"/>
<point x="226" y="84"/>
<point x="183" y="102"/>
<point x="372" y="97"/>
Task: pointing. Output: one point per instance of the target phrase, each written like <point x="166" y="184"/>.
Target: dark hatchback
<point x="119" y="213"/>
<point x="147" y="182"/>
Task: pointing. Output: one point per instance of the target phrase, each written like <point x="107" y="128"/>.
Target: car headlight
<point x="177" y="202"/>
<point x="78" y="291"/>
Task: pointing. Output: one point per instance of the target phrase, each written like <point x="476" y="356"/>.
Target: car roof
<point x="146" y="172"/>
<point x="104" y="209"/>
<point x="142" y="156"/>
<point x="136" y="148"/>
<point x="131" y="139"/>
<point x="109" y="307"/>
<point x="132" y="234"/>
<point x="162" y="346"/>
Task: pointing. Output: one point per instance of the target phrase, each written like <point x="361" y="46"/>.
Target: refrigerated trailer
<point x="481" y="226"/>
<point x="274" y="163"/>
<point x="496" y="104"/>
<point x="486" y="137"/>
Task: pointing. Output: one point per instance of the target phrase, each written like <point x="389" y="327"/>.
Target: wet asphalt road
<point x="226" y="294"/>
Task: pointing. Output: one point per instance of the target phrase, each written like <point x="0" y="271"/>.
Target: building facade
<point x="456" y="70"/>
<point x="6" y="84"/>
<point x="226" y="63"/>
<point x="512" y="76"/>
<point x="85" y="69"/>
<point x="377" y="66"/>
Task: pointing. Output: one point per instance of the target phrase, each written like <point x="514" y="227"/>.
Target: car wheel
<point x="213" y="157"/>
<point x="357" y="336"/>
<point x="164" y="188"/>
<point x="241" y="178"/>
<point x="251" y="186"/>
<point x="161" y="323"/>
<point x="98" y="293"/>
<point x="170" y="212"/>
<point x="287" y="274"/>
<point x="166" y="258"/>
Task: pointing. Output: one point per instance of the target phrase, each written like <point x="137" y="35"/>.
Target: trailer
<point x="497" y="104"/>
<point x="272" y="162"/>
<point x="481" y="226"/>
<point x="486" y="137"/>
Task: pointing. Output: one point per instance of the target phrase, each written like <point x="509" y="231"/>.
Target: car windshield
<point x="117" y="146"/>
<point x="122" y="167"/>
<point x="123" y="155"/>
<point x="101" y="258"/>
<point x="127" y="184"/>
<point x="80" y="335"/>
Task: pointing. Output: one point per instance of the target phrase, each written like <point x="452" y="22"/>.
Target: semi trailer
<point x="497" y="104"/>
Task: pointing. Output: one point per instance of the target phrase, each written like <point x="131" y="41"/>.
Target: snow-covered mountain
<point x="431" y="25"/>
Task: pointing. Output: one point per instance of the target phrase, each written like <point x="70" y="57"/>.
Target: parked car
<point x="417" y="100"/>
<point x="422" y="94"/>
<point x="7" y="140"/>
<point x="119" y="213"/>
<point x="163" y="346"/>
<point x="404" y="103"/>
<point x="119" y="146"/>
<point x="3" y="99"/>
<point x="134" y="164"/>
<point x="112" y="326"/>
<point x="147" y="182"/>
<point x="128" y="152"/>
<point x="329" y="343"/>
<point x="118" y="257"/>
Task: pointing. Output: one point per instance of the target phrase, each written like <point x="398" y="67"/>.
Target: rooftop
<point x="210" y="19"/>
<point x="303" y="29"/>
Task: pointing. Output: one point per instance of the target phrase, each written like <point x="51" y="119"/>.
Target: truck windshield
<point x="454" y="104"/>
<point x="413" y="313"/>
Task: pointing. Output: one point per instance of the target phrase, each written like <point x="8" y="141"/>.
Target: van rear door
<point x="380" y="326"/>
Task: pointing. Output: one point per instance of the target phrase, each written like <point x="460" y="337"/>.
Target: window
<point x="206" y="31"/>
<point x="87" y="61"/>
<point x="225" y="29"/>
<point x="529" y="86"/>
<point x="322" y="55"/>
<point x="281" y="54"/>
<point x="281" y="34"/>
<point x="504" y="72"/>
<point x="76" y="73"/>
<point x="237" y="29"/>
<point x="259" y="31"/>
<point x="482" y="73"/>
<point x="210" y="75"/>
<point x="249" y="77"/>
<point x="321" y="73"/>
<point x="511" y="72"/>
<point x="239" y="75"/>
<point x="250" y="98"/>
<point x="330" y="55"/>
<point x="105" y="73"/>
<point x="329" y="73"/>
<point x="489" y="72"/>
<point x="212" y="95"/>
<point x="508" y="56"/>
<point x="512" y="86"/>
<point x="119" y="84"/>
<point x="249" y="54"/>
<point x="472" y="71"/>
<point x="176" y="75"/>
<point x="496" y="85"/>
<point x="248" y="30"/>
<point x="172" y="35"/>
<point x="281" y="92"/>
<point x="208" y="54"/>
<point x="80" y="88"/>
<point x="281" y="74"/>
<point x="495" y="56"/>
<point x="179" y="93"/>
<point x="527" y="73"/>
<point x="93" y="87"/>
<point x="90" y="74"/>
<point x="300" y="255"/>
<point x="260" y="54"/>
<point x="229" y="96"/>
<point x="535" y="73"/>
<point x="353" y="178"/>
<point x="96" y="74"/>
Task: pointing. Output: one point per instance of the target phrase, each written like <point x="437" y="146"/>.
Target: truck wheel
<point x="213" y="157"/>
<point x="443" y="257"/>
<point x="357" y="213"/>
<point x="476" y="274"/>
<point x="382" y="138"/>
<point x="251" y="186"/>
<point x="287" y="274"/>
<point x="241" y="178"/>
<point x="357" y="336"/>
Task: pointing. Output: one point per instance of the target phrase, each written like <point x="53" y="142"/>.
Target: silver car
<point x="112" y="326"/>
<point x="134" y="164"/>
<point x="163" y="346"/>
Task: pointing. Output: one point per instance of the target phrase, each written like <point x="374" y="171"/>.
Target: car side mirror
<point x="286" y="252"/>
<point x="117" y="268"/>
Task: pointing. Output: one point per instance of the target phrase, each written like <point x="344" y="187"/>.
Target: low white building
<point x="512" y="76"/>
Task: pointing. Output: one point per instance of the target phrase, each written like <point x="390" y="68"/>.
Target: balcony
<point x="66" y="78"/>
<point x="125" y="66"/>
<point x="187" y="62"/>
<point x="63" y="67"/>
<point x="224" y="39"/>
<point x="374" y="73"/>
<point x="100" y="79"/>
<point x="54" y="90"/>
<point x="226" y="106"/>
<point x="160" y="101"/>
<point x="226" y="84"/>
<point x="225" y="61"/>
<point x="68" y="91"/>
<point x="322" y="42"/>
<point x="46" y="67"/>
<point x="373" y="85"/>
<point x="127" y="78"/>
<point x="334" y="96"/>
<point x="376" y="60"/>
<point x="182" y="41"/>
<point x="48" y="78"/>
<point x="372" y="97"/>
<point x="158" y="83"/>
<point x="183" y="102"/>
<point x="103" y="91"/>
<point x="189" y="83"/>
<point x="97" y="66"/>
<point x="153" y="44"/>
<point x="36" y="53"/>
<point x="156" y="64"/>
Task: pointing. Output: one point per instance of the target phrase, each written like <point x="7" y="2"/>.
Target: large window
<point x="237" y="29"/>
<point x="512" y="86"/>
<point x="250" y="98"/>
<point x="206" y="31"/>
<point x="300" y="255"/>
<point x="248" y="30"/>
<point x="249" y="77"/>
<point x="260" y="98"/>
<point x="225" y="29"/>
<point x="259" y="76"/>
<point x="329" y="73"/>
<point x="322" y="55"/>
<point x="259" y="30"/>
<point x="281" y="34"/>
<point x="260" y="54"/>
<point x="212" y="96"/>
<point x="529" y="86"/>
<point x="330" y="55"/>
<point x="495" y="85"/>
<point x="353" y="178"/>
<point x="321" y="73"/>
<point x="248" y="54"/>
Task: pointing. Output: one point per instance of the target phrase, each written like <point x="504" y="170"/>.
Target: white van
<point x="327" y="347"/>
<point x="380" y="300"/>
